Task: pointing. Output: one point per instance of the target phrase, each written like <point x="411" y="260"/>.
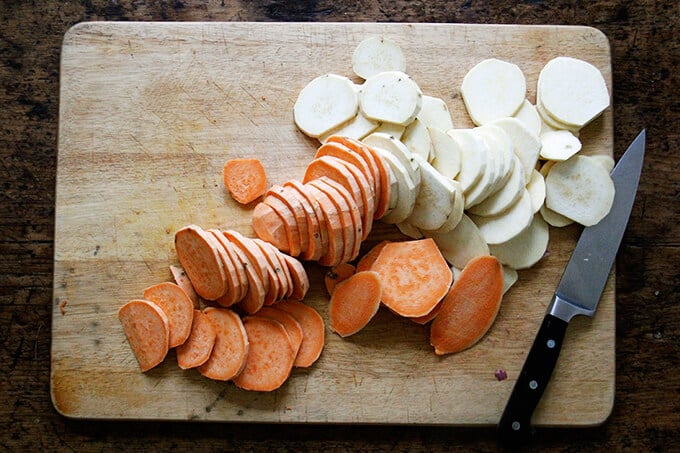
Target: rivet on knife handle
<point x="514" y="427"/>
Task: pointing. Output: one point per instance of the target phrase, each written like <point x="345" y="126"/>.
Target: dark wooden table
<point x="645" y="51"/>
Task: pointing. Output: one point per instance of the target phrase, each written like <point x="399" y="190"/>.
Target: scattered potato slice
<point x="473" y="157"/>
<point x="508" y="224"/>
<point x="493" y="89"/>
<point x="435" y="113"/>
<point x="500" y="145"/>
<point x="525" y="143"/>
<point x="606" y="161"/>
<point x="559" y="145"/>
<point x="525" y="249"/>
<point x="357" y="127"/>
<point x="536" y="188"/>
<point x="434" y="200"/>
<point x="509" y="278"/>
<point x="409" y="230"/>
<point x="447" y="153"/>
<point x="579" y="189"/>
<point x="502" y="199"/>
<point x="325" y="103"/>
<point x="528" y="115"/>
<point x="391" y="96"/>
<point x="550" y="123"/>
<point x="572" y="91"/>
<point x="406" y="189"/>
<point x="456" y="211"/>
<point x="377" y="54"/>
<point x="461" y="244"/>
<point x="391" y="129"/>
<point x="417" y="139"/>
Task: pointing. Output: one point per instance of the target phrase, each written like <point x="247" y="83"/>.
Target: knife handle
<point x="514" y="427"/>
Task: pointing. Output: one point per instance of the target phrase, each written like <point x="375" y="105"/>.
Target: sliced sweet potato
<point x="182" y="280"/>
<point x="295" y="206"/>
<point x="354" y="303"/>
<point x="289" y="223"/>
<point x="293" y="328"/>
<point x="366" y="262"/>
<point x="338" y="274"/>
<point x="198" y="347"/>
<point x="299" y="277"/>
<point x="147" y="330"/>
<point x="470" y="307"/>
<point x="177" y="307"/>
<point x="318" y="235"/>
<point x="414" y="275"/>
<point x="334" y="229"/>
<point x="198" y="253"/>
<point x="313" y="328"/>
<point x="334" y="169"/>
<point x="234" y="291"/>
<point x="245" y="179"/>
<point x="270" y="355"/>
<point x="229" y="353"/>
<point x="268" y="226"/>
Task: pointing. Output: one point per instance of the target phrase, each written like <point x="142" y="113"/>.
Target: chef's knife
<point x="578" y="293"/>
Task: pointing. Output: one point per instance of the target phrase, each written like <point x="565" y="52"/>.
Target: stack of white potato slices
<point x="491" y="189"/>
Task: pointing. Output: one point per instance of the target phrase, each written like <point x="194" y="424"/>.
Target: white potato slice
<point x="525" y="143"/>
<point x="377" y="54"/>
<point x="493" y="89"/>
<point x="551" y="123"/>
<point x="482" y="188"/>
<point x="406" y="189"/>
<point x="409" y="230"/>
<point x="461" y="244"/>
<point x="510" y="277"/>
<point x="572" y="91"/>
<point x="447" y="153"/>
<point x="545" y="168"/>
<point x="435" y="198"/>
<point x="500" y="145"/>
<point x="553" y="218"/>
<point x="528" y="115"/>
<point x="536" y="188"/>
<point x="417" y="139"/>
<point x="358" y="127"/>
<point x="435" y="113"/>
<point x="325" y="103"/>
<point x="394" y="130"/>
<point x="606" y="161"/>
<point x="456" y="272"/>
<point x="472" y="157"/>
<point x="559" y="145"/>
<point x="508" y="224"/>
<point x="396" y="147"/>
<point x="502" y="199"/>
<point x="525" y="249"/>
<point x="579" y="189"/>
<point x="456" y="211"/>
<point x="391" y="96"/>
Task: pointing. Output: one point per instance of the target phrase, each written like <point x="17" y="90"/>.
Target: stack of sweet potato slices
<point x="327" y="215"/>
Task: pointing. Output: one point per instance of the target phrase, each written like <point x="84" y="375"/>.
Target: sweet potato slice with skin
<point x="366" y="261"/>
<point x="338" y="274"/>
<point x="313" y="328"/>
<point x="414" y="275"/>
<point x="238" y="268"/>
<point x="292" y="326"/>
<point x="333" y="168"/>
<point x="268" y="226"/>
<point x="270" y="356"/>
<point x="229" y="353"/>
<point x="254" y="297"/>
<point x="274" y="270"/>
<point x="196" y="350"/>
<point x="470" y="307"/>
<point x="354" y="303"/>
<point x="289" y="223"/>
<point x="198" y="253"/>
<point x="182" y="280"/>
<point x="233" y="293"/>
<point x="294" y="206"/>
<point x="333" y="253"/>
<point x="282" y="271"/>
<point x="147" y="330"/>
<point x="318" y="239"/>
<point x="177" y="307"/>
<point x="343" y="209"/>
<point x="299" y="276"/>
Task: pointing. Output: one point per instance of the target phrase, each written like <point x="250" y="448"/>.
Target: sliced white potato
<point x="572" y="91"/>
<point x="482" y="188"/>
<point x="395" y="130"/>
<point x="447" y="153"/>
<point x="508" y="224"/>
<point x="606" y="161"/>
<point x="377" y="54"/>
<point x="579" y="189"/>
<point x="502" y="199"/>
<point x="525" y="143"/>
<point x="553" y="218"/>
<point x="509" y="278"/>
<point x="472" y="157"/>
<point x="559" y="145"/>
<point x="325" y="103"/>
<point x="456" y="211"/>
<point x="536" y="189"/>
<point x="525" y="249"/>
<point x="358" y="127"/>
<point x="435" y="113"/>
<point x="406" y="189"/>
<point x="435" y="198"/>
<point x="456" y="272"/>
<point x="396" y="147"/>
<point x="417" y="139"/>
<point x="551" y="123"/>
<point x="545" y="168"/>
<point x="391" y="96"/>
<point x="493" y="89"/>
<point x="409" y="230"/>
<point x="528" y="115"/>
<point x="461" y="244"/>
<point x="500" y="145"/>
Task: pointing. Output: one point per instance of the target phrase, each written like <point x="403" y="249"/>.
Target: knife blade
<point x="578" y="293"/>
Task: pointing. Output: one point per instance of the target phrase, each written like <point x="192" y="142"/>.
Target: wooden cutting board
<point x="149" y="113"/>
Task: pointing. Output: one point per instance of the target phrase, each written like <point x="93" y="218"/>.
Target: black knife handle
<point x="514" y="427"/>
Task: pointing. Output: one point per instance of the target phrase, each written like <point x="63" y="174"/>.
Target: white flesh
<point x="528" y="115"/>
<point x="525" y="143"/>
<point x="358" y="127"/>
<point x="435" y="198"/>
<point x="406" y="190"/>
<point x="509" y="278"/>
<point x="461" y="244"/>
<point x="508" y="224"/>
<point x="502" y="199"/>
<point x="435" y="113"/>
<point x="417" y="139"/>
<point x="396" y="147"/>
<point x="559" y="145"/>
<point x="472" y="157"/>
<point x="391" y="96"/>
<point x="409" y="230"/>
<point x="324" y="104"/>
<point x="536" y="188"/>
<point x="447" y="153"/>
<point x="377" y="54"/>
<point x="525" y="249"/>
